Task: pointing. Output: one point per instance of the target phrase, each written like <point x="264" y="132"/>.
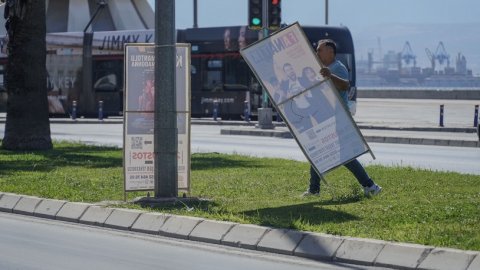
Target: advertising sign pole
<point x="165" y="119"/>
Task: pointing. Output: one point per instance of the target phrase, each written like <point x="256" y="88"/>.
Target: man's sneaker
<point x="373" y="190"/>
<point x="308" y="193"/>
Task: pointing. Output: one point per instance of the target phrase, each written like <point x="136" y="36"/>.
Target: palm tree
<point x="27" y="125"/>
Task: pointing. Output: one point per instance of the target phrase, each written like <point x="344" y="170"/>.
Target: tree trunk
<point x="27" y="126"/>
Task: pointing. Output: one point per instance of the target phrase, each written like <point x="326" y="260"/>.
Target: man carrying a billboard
<point x="338" y="74"/>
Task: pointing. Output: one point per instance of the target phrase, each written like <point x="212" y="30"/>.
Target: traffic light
<point x="274" y="14"/>
<point x="255" y="14"/>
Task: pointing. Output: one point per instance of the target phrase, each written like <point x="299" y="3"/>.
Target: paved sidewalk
<point x="316" y="246"/>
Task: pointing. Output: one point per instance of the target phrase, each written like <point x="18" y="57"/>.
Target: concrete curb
<point x="316" y="246"/>
<point x="72" y="212"/>
<point x="280" y="241"/>
<point x="122" y="219"/>
<point x="150" y="223"/>
<point x="26" y="205"/>
<point x="244" y="236"/>
<point x="8" y="202"/>
<point x="48" y="208"/>
<point x="211" y="231"/>
<point x="319" y="246"/>
<point x="404" y="256"/>
<point x="373" y="139"/>
<point x="359" y="251"/>
<point x="95" y="215"/>
<point x="422" y="141"/>
<point x="445" y="259"/>
<point x="179" y="226"/>
<point x="475" y="265"/>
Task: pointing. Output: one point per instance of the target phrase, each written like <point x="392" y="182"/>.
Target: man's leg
<point x="357" y="169"/>
<point x="369" y="187"/>
<point x="314" y="181"/>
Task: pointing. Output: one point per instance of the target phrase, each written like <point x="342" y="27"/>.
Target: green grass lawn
<point x="416" y="206"/>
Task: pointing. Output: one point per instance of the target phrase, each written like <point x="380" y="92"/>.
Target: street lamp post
<point x="326" y="12"/>
<point x="165" y="119"/>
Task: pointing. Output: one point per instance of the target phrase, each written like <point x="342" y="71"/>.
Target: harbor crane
<point x="440" y="55"/>
<point x="407" y="54"/>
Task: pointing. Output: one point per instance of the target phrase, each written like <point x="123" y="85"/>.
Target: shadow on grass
<point x="64" y="156"/>
<point x="290" y="216"/>
<point x="215" y="161"/>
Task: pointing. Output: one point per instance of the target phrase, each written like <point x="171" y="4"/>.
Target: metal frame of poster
<point x="138" y="129"/>
<point x="287" y="67"/>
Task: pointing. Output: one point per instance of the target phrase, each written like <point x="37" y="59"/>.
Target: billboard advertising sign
<point x="139" y="113"/>
<point x="288" y="69"/>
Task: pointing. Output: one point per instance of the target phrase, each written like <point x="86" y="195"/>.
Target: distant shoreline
<point x="419" y="93"/>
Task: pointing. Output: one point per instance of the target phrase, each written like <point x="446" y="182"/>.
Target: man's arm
<point x="340" y="84"/>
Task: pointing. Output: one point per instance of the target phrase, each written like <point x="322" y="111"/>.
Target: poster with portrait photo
<point x="140" y="89"/>
<point x="288" y="69"/>
<point x="139" y="116"/>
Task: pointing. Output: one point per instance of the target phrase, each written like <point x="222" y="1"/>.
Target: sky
<point x="355" y="14"/>
<point x="375" y="24"/>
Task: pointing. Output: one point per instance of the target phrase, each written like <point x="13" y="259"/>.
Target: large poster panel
<point x="288" y="68"/>
<point x="139" y="116"/>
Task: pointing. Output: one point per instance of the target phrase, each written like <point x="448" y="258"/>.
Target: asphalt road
<point x="29" y="243"/>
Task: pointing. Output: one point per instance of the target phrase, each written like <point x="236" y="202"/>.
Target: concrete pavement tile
<point x="419" y="141"/>
<point x="179" y="226"/>
<point x="455" y="143"/>
<point x="447" y="259"/>
<point x="244" y="236"/>
<point x="442" y="142"/>
<point x="211" y="231"/>
<point x="122" y="219"/>
<point x="150" y="223"/>
<point x="359" y="251"/>
<point x="475" y="265"/>
<point x="375" y="139"/>
<point x="280" y="241"/>
<point x="26" y="205"/>
<point x="96" y="215"/>
<point x="391" y="139"/>
<point x="48" y="208"/>
<point x="8" y="202"/>
<point x="428" y="141"/>
<point x="402" y="140"/>
<point x="72" y="211"/>
<point x="402" y="255"/>
<point x="470" y="144"/>
<point x="318" y="246"/>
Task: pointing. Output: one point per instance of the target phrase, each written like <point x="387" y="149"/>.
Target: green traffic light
<point x="256" y="21"/>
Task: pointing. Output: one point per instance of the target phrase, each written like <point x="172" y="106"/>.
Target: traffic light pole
<point x="264" y="35"/>
<point x="265" y="113"/>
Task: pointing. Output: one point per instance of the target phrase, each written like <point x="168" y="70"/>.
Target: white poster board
<point x="288" y="69"/>
<point x="139" y="116"/>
